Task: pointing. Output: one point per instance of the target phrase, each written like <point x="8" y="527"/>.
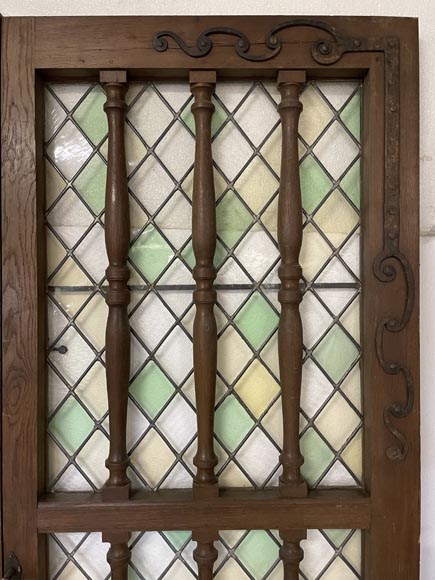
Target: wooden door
<point x="210" y="328"/>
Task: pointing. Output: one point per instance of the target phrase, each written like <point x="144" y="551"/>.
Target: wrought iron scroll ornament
<point x="327" y="51"/>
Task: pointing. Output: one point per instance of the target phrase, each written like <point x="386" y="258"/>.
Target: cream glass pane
<point x="160" y="152"/>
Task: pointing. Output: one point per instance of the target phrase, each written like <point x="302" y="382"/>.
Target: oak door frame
<point x="381" y="51"/>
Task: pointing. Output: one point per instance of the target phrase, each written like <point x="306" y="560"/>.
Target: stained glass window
<point x="161" y="414"/>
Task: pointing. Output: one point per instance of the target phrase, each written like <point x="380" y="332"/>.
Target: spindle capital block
<point x="291" y="77"/>
<point x="202" y="76"/>
<point x="113" y="76"/>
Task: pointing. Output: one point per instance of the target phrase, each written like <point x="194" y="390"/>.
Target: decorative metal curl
<point x="385" y="271"/>
<point x="324" y="51"/>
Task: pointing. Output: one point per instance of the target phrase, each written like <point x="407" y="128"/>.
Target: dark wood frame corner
<point x="381" y="51"/>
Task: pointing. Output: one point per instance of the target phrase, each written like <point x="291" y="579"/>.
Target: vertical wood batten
<point x="205" y="483"/>
<point x="290" y="272"/>
<point x="291" y="552"/>
<point x="117" y="236"/>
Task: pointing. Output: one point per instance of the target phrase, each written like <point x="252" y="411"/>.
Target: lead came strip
<point x="290" y="272"/>
<point x="117" y="236"/>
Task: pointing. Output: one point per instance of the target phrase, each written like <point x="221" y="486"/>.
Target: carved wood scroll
<point x="117" y="235"/>
<point x="290" y="272"/>
<point x="205" y="481"/>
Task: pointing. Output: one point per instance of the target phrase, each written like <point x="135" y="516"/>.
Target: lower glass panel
<point x="328" y="555"/>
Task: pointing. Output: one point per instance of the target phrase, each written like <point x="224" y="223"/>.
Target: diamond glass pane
<point x="160" y="153"/>
<point x="253" y="555"/>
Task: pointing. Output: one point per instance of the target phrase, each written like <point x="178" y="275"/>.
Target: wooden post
<point x="118" y="554"/>
<point x="117" y="234"/>
<point x="290" y="272"/>
<point x="205" y="553"/>
<point x="205" y="482"/>
<point x="291" y="552"/>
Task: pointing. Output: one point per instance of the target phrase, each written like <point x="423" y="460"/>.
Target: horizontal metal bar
<point x="234" y="509"/>
<point x="166" y="287"/>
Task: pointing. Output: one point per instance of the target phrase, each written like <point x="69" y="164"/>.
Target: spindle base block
<point x="116" y="492"/>
<point x="293" y="490"/>
<point x="204" y="491"/>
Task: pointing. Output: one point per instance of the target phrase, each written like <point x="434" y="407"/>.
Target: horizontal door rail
<point x="234" y="509"/>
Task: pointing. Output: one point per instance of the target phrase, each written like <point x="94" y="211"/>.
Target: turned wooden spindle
<point x="205" y="553"/>
<point x="117" y="234"/>
<point x="205" y="482"/>
<point x="290" y="272"/>
<point x="291" y="552"/>
<point x="118" y="554"/>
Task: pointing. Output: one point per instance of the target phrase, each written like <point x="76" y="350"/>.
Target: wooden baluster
<point x="290" y="272"/>
<point x="205" y="553"/>
<point x="117" y="234"/>
<point x="205" y="482"/>
<point x="291" y="552"/>
<point x="118" y="554"/>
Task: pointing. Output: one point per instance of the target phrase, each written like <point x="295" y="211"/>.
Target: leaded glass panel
<point x="242" y="555"/>
<point x="246" y="149"/>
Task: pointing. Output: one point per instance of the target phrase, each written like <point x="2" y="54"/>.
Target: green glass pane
<point x="317" y="456"/>
<point x="232" y="219"/>
<point x="232" y="423"/>
<point x="337" y="536"/>
<point x="219" y="255"/>
<point x="351" y="183"/>
<point x="132" y="574"/>
<point x="217" y="120"/>
<point x="351" y="116"/>
<point x="151" y="389"/>
<point x="71" y="425"/>
<point x="151" y="253"/>
<point x="188" y="255"/>
<point x="178" y="539"/>
<point x="258" y="552"/>
<point x="91" y="117"/>
<point x="336" y="353"/>
<point x="256" y="320"/>
<point x="91" y="184"/>
<point x="315" y="184"/>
